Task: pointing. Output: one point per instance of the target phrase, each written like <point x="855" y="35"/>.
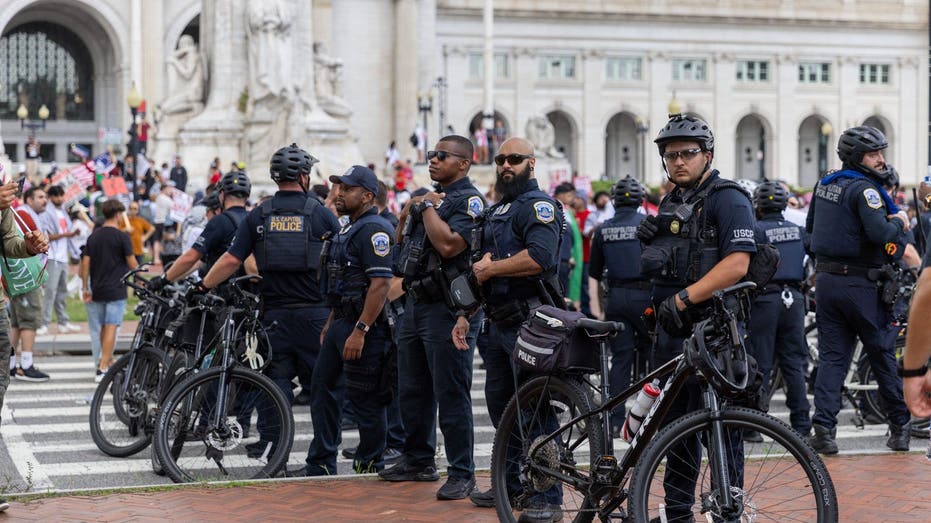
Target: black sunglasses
<point x="442" y="155"/>
<point x="512" y="159"/>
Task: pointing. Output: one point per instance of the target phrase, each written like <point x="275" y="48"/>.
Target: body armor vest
<point x="837" y="232"/>
<point x="287" y="243"/>
<point x="787" y="237"/>
<point x="621" y="246"/>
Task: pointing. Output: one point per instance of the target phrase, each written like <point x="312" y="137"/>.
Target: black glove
<point x="676" y="323"/>
<point x="647" y="229"/>
<point x="196" y="289"/>
<point x="157" y="283"/>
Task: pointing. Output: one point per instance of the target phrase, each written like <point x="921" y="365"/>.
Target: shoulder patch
<point x="872" y="198"/>
<point x="544" y="211"/>
<point x="475" y="206"/>
<point x="381" y="243"/>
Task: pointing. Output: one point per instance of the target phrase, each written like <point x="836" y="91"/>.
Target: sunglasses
<point x="688" y="154"/>
<point x="442" y="155"/>
<point x="512" y="159"/>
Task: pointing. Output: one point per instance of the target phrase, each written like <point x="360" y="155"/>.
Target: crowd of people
<point x="352" y="287"/>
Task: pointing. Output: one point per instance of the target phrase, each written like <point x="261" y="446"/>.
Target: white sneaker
<point x="100" y="374"/>
<point x="69" y="327"/>
<point x="42" y="331"/>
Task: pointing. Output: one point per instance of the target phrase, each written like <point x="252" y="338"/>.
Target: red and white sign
<point x="181" y="205"/>
<point x="74" y="191"/>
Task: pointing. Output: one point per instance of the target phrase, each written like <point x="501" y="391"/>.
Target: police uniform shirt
<point x="218" y="234"/>
<point x="279" y="288"/>
<point x="462" y="219"/>
<point x="371" y="246"/>
<point x="388" y="215"/>
<point x="792" y="242"/>
<point x="621" y="228"/>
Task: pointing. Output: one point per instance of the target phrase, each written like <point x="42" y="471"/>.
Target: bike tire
<point x="192" y="447"/>
<point x="565" y="399"/>
<point x="800" y="481"/>
<point x="180" y="361"/>
<point x="868" y="400"/>
<point x="120" y="426"/>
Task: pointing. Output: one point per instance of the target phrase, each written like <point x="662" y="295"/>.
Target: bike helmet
<point x="235" y="183"/>
<point x="724" y="364"/>
<point x="857" y="141"/>
<point x="288" y="163"/>
<point x="770" y="196"/>
<point x="627" y="192"/>
<point x="682" y="127"/>
<point x="211" y="201"/>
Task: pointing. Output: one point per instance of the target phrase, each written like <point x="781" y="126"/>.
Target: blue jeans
<point x="56" y="290"/>
<point x="100" y="313"/>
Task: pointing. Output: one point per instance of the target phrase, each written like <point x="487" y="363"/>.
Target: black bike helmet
<point x="627" y="192"/>
<point x="682" y="127"/>
<point x="211" y="201"/>
<point x="770" y="196"/>
<point x="288" y="163"/>
<point x="235" y="183"/>
<point x="857" y="141"/>
<point x="721" y="362"/>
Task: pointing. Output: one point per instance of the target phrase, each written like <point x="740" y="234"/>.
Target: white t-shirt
<point x="163" y="204"/>
<point x="392" y="155"/>
<point x="56" y="221"/>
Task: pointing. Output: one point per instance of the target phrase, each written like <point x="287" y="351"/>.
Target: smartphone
<point x="19" y="185"/>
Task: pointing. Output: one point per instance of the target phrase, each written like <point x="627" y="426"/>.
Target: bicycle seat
<point x="598" y="328"/>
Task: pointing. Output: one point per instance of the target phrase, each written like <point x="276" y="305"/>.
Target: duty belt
<point x="639" y="285"/>
<point x="843" y="269"/>
<point x="778" y="287"/>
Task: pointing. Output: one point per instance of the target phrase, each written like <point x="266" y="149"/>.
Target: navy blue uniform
<point x="726" y="217"/>
<point x="431" y="371"/>
<point x="565" y="257"/>
<point x="290" y="293"/>
<point x="218" y="235"/>
<point x="850" y="233"/>
<point x="533" y="222"/>
<point x="615" y="262"/>
<point x="361" y="251"/>
<point x="777" y="318"/>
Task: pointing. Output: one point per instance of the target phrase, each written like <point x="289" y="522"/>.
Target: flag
<point x="103" y="164"/>
<point x="144" y="165"/>
<point x="83" y="174"/>
<point x="80" y="151"/>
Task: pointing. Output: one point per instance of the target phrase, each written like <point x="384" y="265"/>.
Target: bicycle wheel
<point x="781" y="479"/>
<point x="869" y="399"/>
<point x="546" y="403"/>
<point x="200" y="438"/>
<point x="180" y="361"/>
<point x="120" y="411"/>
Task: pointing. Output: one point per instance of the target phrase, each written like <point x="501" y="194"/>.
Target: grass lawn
<point x="77" y="312"/>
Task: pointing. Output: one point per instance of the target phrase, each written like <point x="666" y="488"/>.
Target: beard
<point x="508" y="190"/>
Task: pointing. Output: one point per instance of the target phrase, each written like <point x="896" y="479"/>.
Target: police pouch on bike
<point x="550" y="341"/>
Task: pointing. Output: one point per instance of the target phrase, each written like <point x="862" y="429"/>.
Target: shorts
<point x="157" y="235"/>
<point x="5" y="348"/>
<point x="105" y="313"/>
<point x="26" y="310"/>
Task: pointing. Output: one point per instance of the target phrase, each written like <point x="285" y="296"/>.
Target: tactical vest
<point x="286" y="242"/>
<point x="426" y="274"/>
<point x="621" y="246"/>
<point x="787" y="237"/>
<point x="837" y="232"/>
<point x="211" y="258"/>
<point x="347" y="283"/>
<point x="686" y="247"/>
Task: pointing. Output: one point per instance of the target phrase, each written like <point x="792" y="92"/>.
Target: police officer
<point x="853" y="224"/>
<point x="232" y="192"/>
<point x="700" y="242"/>
<point x="777" y="318"/>
<point x="615" y="262"/>
<point x="356" y="338"/>
<point x="518" y="271"/>
<point x="436" y="230"/>
<point x="286" y="235"/>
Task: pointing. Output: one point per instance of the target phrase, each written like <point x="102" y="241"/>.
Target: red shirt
<point x="581" y="216"/>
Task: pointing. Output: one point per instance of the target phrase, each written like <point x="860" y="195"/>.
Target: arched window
<point x="46" y="64"/>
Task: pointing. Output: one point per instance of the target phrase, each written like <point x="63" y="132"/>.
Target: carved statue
<point x="270" y="50"/>
<point x="328" y="77"/>
<point x="542" y="135"/>
<point x="186" y="79"/>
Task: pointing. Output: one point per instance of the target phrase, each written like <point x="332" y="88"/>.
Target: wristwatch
<point x="362" y="326"/>
<point x="684" y="296"/>
<point x="428" y="203"/>
<point x="910" y="373"/>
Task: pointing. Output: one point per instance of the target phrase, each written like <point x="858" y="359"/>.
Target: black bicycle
<point x="228" y="421"/>
<point x="553" y="442"/>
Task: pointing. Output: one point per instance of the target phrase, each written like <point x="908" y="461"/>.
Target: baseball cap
<point x="358" y="176"/>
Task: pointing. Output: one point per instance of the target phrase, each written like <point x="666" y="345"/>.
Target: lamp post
<point x="134" y="100"/>
<point x="33" y="125"/>
<point x="823" y="148"/>
<point x="642" y="128"/>
<point x="674" y="107"/>
<point x="425" y="106"/>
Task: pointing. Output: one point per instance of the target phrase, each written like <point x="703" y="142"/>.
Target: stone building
<point x="777" y="80"/>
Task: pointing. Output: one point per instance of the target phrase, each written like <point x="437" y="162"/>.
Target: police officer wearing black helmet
<point x="615" y="262"/>
<point x="777" y="318"/>
<point x="519" y="244"/>
<point x="700" y="242"/>
<point x="854" y="224"/>
<point x="232" y="192"/>
<point x="286" y="235"/>
<point x="356" y="338"/>
<point x="435" y="231"/>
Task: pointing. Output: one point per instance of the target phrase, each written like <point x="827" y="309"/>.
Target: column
<point x="153" y="75"/>
<point x="136" y="43"/>
<point x="407" y="83"/>
<point x="724" y="124"/>
<point x="786" y="145"/>
<point x="591" y="153"/>
<point x="660" y="94"/>
<point x="489" y="62"/>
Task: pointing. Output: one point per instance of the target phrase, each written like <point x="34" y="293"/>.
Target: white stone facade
<point x="394" y="49"/>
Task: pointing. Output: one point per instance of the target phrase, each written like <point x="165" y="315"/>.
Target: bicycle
<point x="553" y="440"/>
<point x="123" y="402"/>
<point x="205" y="420"/>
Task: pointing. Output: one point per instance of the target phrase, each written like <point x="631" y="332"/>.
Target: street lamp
<point x="24" y="123"/>
<point x="642" y="128"/>
<point x="674" y="106"/>
<point x="424" y="106"/>
<point x="134" y="100"/>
